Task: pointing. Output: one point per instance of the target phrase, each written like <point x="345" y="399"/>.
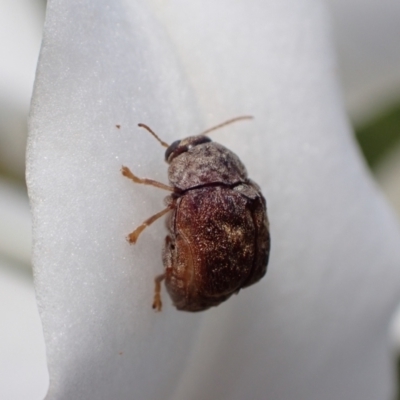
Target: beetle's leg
<point x="127" y="172"/>
<point x="133" y="237"/>
<point x="157" y="303"/>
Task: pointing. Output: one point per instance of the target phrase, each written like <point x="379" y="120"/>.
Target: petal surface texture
<point x="316" y="327"/>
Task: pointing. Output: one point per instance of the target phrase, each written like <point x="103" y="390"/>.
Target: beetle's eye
<point x="171" y="149"/>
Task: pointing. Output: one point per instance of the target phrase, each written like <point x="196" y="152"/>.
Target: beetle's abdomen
<point x="215" y="247"/>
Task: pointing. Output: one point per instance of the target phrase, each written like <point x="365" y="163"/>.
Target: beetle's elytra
<point x="218" y="241"/>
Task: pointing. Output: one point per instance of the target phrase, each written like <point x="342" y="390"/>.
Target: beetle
<point x="218" y="240"/>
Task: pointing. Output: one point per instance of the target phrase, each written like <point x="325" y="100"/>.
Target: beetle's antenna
<point x="230" y="121"/>
<point x="154" y="134"/>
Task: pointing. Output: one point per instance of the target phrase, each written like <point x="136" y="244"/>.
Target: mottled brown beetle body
<point x="218" y="241"/>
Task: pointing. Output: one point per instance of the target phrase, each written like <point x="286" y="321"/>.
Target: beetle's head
<point x="181" y="146"/>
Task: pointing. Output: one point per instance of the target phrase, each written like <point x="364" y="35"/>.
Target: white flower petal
<point x="316" y="326"/>
<point x="103" y="64"/>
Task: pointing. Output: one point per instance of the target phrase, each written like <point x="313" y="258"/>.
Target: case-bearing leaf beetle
<point x="218" y="241"/>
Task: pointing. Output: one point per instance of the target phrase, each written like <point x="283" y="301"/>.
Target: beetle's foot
<point x="126" y="172"/>
<point x="157" y="303"/>
<point x="133" y="237"/>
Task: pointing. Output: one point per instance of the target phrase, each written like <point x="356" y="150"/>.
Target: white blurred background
<point x="366" y="35"/>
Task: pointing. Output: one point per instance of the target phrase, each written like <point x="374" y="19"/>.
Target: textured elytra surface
<point x="219" y="243"/>
<point x="219" y="238"/>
